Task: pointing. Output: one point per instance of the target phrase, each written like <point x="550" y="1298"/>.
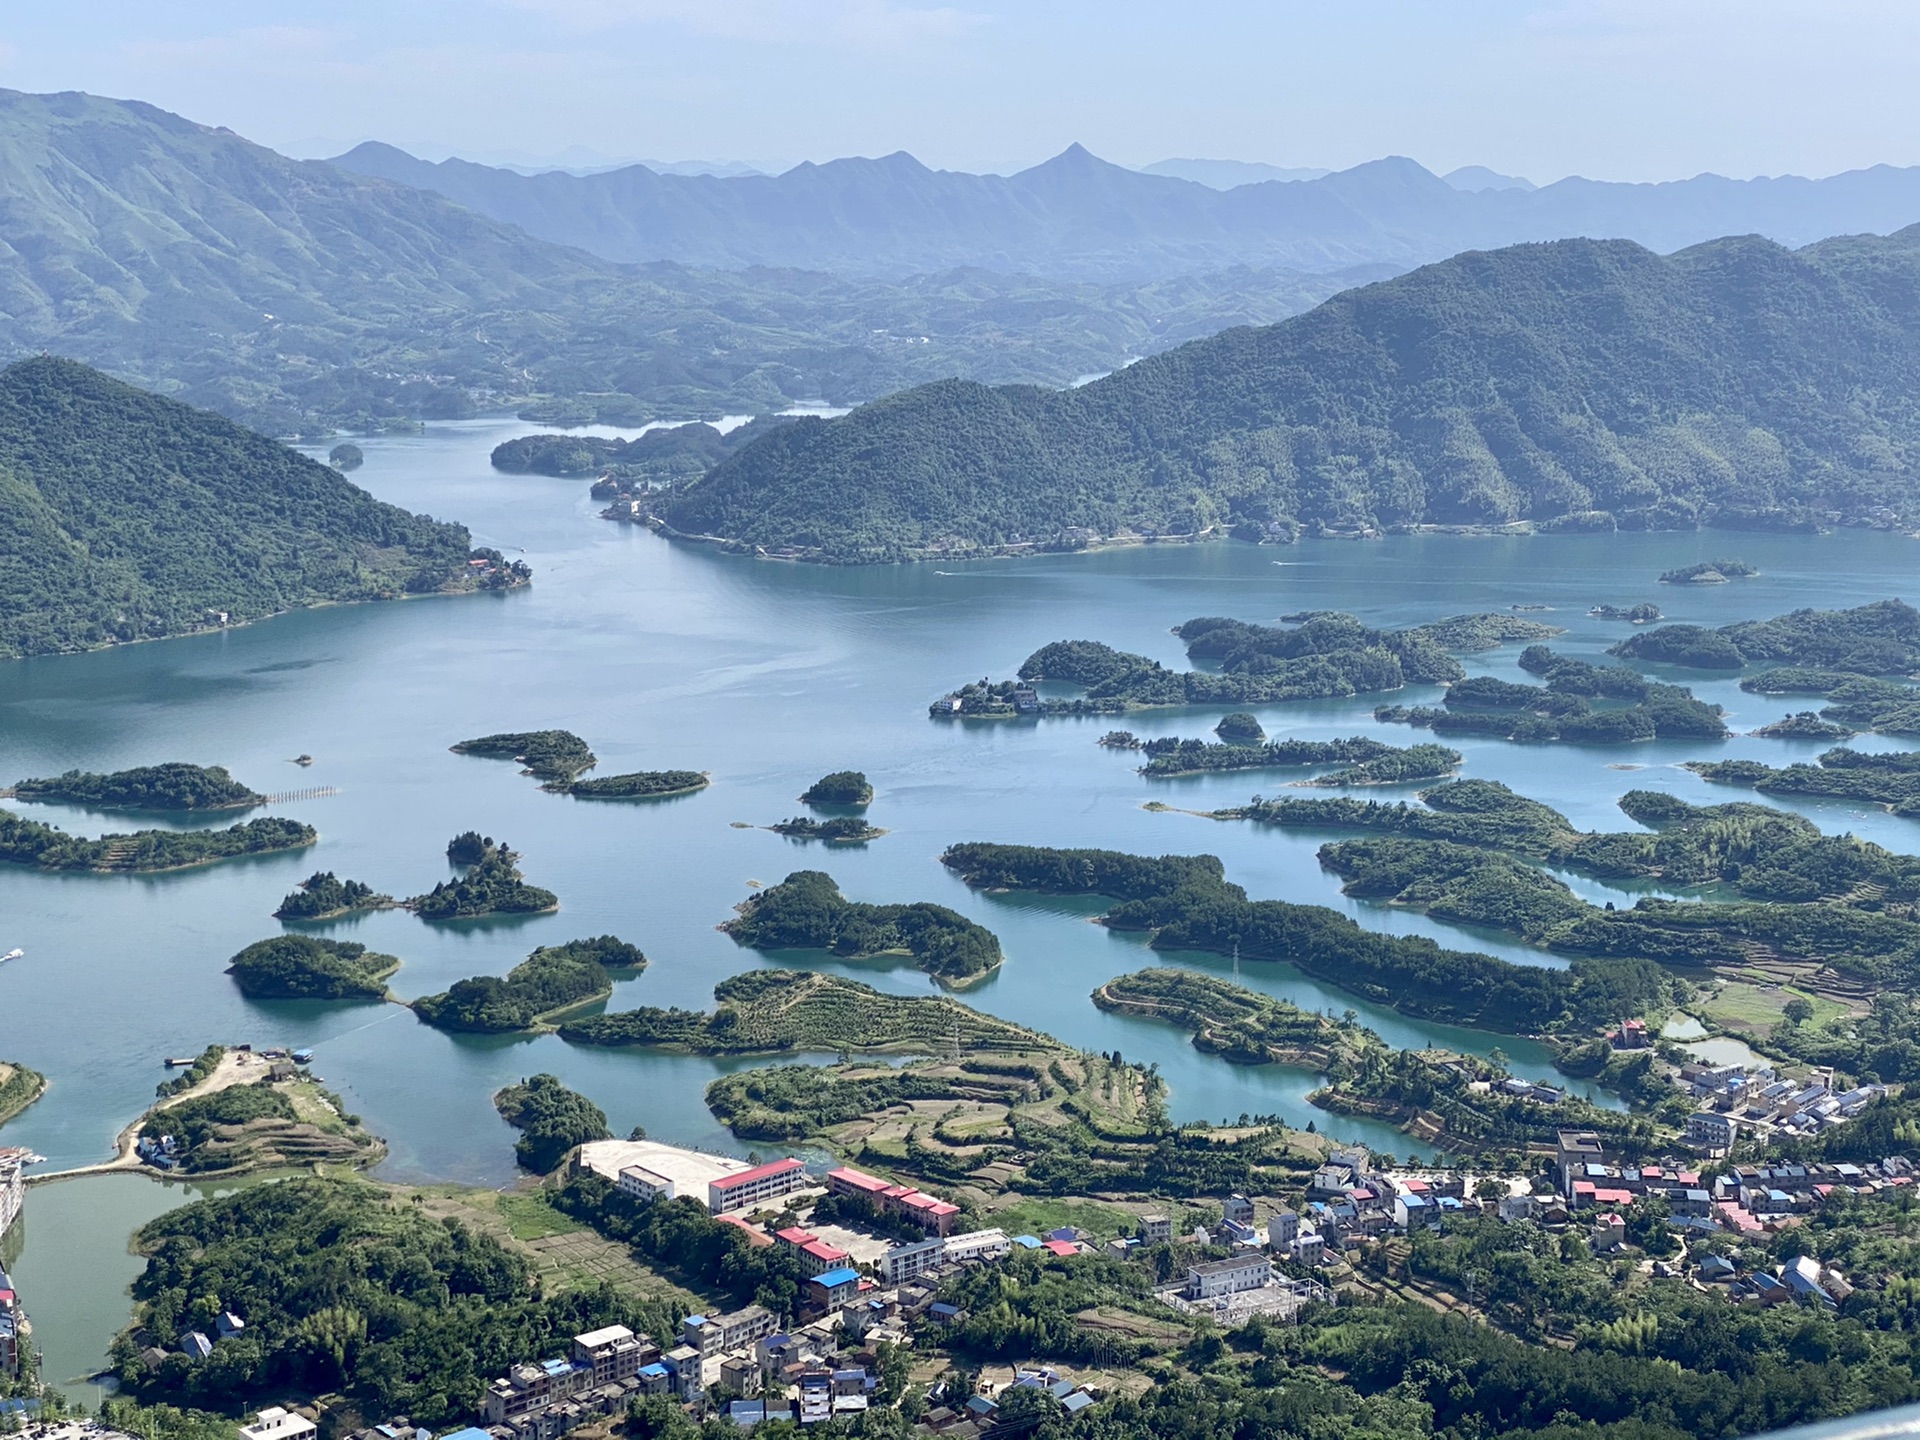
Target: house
<point x="904" y="1262"/>
<point x="745" y="1189"/>
<point x="644" y="1184"/>
<point x="278" y="1423"/>
<point x="1577" y="1149"/>
<point x="1155" y="1229"/>
<point x="227" y="1325"/>
<point x="1712" y="1132"/>
<point x="717" y="1334"/>
<point x="740" y="1375"/>
<point x="655" y="1379"/>
<point x="1237" y="1210"/>
<point x="976" y="1245"/>
<point x="1308" y="1248"/>
<point x="1718" y="1270"/>
<point x="748" y="1413"/>
<point x="1213" y="1278"/>
<point x="195" y="1346"/>
<point x="833" y="1288"/>
<point x="684" y="1362"/>
<point x="1515" y="1207"/>
<point x="1282" y="1228"/>
<point x="1412" y="1212"/>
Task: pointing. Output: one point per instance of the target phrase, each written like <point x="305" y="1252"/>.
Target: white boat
<point x="11" y="955"/>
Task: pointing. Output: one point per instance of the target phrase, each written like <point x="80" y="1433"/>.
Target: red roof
<point x="754" y="1237"/>
<point x="1062" y="1247"/>
<point x="822" y="1251"/>
<point x="758" y="1172"/>
<point x="794" y="1235"/>
<point x="1417" y="1187"/>
<point x="858" y="1179"/>
<point x="1613" y="1197"/>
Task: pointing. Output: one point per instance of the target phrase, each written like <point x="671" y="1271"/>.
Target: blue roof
<point x="656" y="1368"/>
<point x="833" y="1279"/>
<point x="1030" y="1242"/>
<point x="1076" y="1402"/>
<point x="472" y="1432"/>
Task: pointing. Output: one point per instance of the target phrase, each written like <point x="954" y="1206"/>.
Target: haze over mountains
<point x="1078" y="217"/>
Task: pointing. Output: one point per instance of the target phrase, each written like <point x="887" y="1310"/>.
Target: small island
<point x="145" y="852"/>
<point x="806" y="911"/>
<point x="1169" y="758"/>
<point x="768" y="1012"/>
<point x="553" y="981"/>
<point x="842" y="787"/>
<point x="1641" y="614"/>
<point x="251" y="1125"/>
<point x="1240" y="728"/>
<point x="324" y="896"/>
<point x="555" y="757"/>
<point x="1805" y="725"/>
<point x="493" y="885"/>
<point x="640" y="785"/>
<point x="552" y="1121"/>
<point x="346" y="457"/>
<point x="1237" y="1024"/>
<point x="19" y="1088"/>
<point x="173" y="786"/>
<point x="841" y="830"/>
<point x="300" y="967"/>
<point x="1709" y="572"/>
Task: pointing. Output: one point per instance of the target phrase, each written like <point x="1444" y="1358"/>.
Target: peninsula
<point x="768" y="1012"/>
<point x="19" y="1088"/>
<point x="552" y="1121"/>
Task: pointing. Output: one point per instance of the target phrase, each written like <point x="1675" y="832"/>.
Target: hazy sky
<point x="1616" y="89"/>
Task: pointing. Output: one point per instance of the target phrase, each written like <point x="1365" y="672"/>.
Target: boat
<point x="11" y="955"/>
<point x="302" y="1057"/>
<point x="302" y="760"/>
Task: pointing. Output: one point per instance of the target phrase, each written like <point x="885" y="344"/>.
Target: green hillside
<point x="124" y="516"/>
<point x="1582" y="383"/>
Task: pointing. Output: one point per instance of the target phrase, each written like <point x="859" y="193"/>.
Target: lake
<point x="767" y="675"/>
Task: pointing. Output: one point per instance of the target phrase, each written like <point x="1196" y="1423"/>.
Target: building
<point x="1237" y="1210"/>
<point x="904" y="1262"/>
<point x="645" y="1184"/>
<point x="1282" y="1229"/>
<point x="1308" y="1248"/>
<point x="1712" y="1132"/>
<point x="278" y="1423"/>
<point x="685" y="1363"/>
<point x="834" y="1288"/>
<point x="688" y="1171"/>
<point x="931" y="1214"/>
<point x="813" y="1253"/>
<point x="602" y="1357"/>
<point x="1577" y="1150"/>
<point x="748" y="1188"/>
<point x="717" y="1334"/>
<point x="1155" y="1229"/>
<point x="10" y="1318"/>
<point x="13" y="1184"/>
<point x="1227" y="1277"/>
<point x="975" y="1246"/>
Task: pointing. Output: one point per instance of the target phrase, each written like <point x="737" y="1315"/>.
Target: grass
<point x="530" y="1217"/>
<point x="1756" y="1009"/>
<point x="1036" y="1216"/>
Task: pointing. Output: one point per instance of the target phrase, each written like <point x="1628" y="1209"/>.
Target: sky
<point x="1611" y="89"/>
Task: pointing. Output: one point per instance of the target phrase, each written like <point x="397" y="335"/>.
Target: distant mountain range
<point x="1581" y="384"/>
<point x="1077" y="216"/>
<point x="293" y="294"/>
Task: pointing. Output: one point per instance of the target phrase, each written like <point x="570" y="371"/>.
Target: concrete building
<point x="685" y="1364"/>
<point x="645" y="1184"/>
<point x="1282" y="1229"/>
<point x="976" y="1245"/>
<point x="931" y="1214"/>
<point x="279" y="1423"/>
<point x="1237" y="1210"/>
<point x="1711" y="1132"/>
<point x="1577" y="1150"/>
<point x="904" y="1262"/>
<point x="1308" y="1248"/>
<point x="1155" y="1229"/>
<point x="13" y="1184"/>
<point x="834" y="1288"/>
<point x="1227" y="1277"/>
<point x="747" y="1188"/>
<point x="601" y="1357"/>
<point x="688" y="1171"/>
<point x="717" y="1334"/>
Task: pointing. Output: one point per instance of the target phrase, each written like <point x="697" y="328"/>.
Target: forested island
<point x="1315" y="655"/>
<point x="640" y="785"/>
<point x="1709" y="572"/>
<point x="301" y="967"/>
<point x="136" y="517"/>
<point x="555" y="757"/>
<point x="1186" y="903"/>
<point x="551" y="1119"/>
<point x="1563" y="709"/>
<point x="839" y="830"/>
<point x="772" y="1011"/>
<point x="493" y="885"/>
<point x="1882" y="638"/>
<point x="174" y="786"/>
<point x="325" y="896"/>
<point x="19" y="1088"/>
<point x="1363" y="761"/>
<point x="1888" y="778"/>
<point x="806" y="911"/>
<point x="28" y="842"/>
<point x="670" y="455"/>
<point x="1239" y="1025"/>
<point x="555" y="980"/>
<point x="842" y="787"/>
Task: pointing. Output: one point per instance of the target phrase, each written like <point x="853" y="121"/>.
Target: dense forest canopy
<point x="124" y="516"/>
<point x="1582" y="382"/>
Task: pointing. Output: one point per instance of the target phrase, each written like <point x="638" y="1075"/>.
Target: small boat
<point x="302" y="1057"/>
<point x="302" y="760"/>
<point x="11" y="955"/>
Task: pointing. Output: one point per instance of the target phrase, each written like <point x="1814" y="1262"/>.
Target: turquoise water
<point x="767" y="675"/>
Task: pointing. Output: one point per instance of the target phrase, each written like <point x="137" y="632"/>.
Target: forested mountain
<point x="124" y="516"/>
<point x="292" y="294"/>
<point x="1078" y="216"/>
<point x="1586" y="383"/>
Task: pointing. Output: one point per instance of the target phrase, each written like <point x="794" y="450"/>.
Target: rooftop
<point x="691" y="1171"/>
